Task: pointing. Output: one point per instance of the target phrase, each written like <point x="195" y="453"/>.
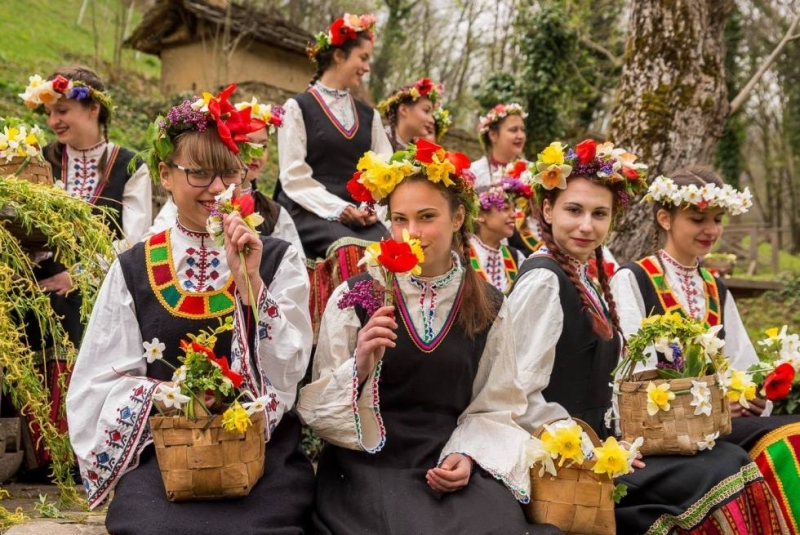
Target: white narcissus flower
<point x="708" y="442"/>
<point x="664" y="345"/>
<point x="153" y="350"/>
<point x="633" y="451"/>
<point x="225" y="196"/>
<point x="609" y="415"/>
<point x="258" y="405"/>
<point x="214" y="226"/>
<point x="535" y="453"/>
<point x="179" y="375"/>
<point x="711" y="343"/>
<point x="701" y="398"/>
<point x="170" y="395"/>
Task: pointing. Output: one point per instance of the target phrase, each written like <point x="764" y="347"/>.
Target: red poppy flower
<point x="426" y="150"/>
<point x="232" y="125"/>
<point x="341" y="33"/>
<point x="424" y="86"/>
<point x="630" y="173"/>
<point x="357" y="190"/>
<point x="397" y="257"/>
<point x="459" y="160"/>
<point x="779" y="382"/>
<point x="526" y="191"/>
<point x="60" y="84"/>
<point x="244" y="204"/>
<point x="586" y="150"/>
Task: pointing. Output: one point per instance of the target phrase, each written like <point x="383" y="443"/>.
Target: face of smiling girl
<point x="691" y="232"/>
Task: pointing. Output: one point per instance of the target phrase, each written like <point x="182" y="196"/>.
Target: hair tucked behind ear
<point x="324" y="59"/>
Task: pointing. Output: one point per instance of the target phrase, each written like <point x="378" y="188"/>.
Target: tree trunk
<point x="672" y="100"/>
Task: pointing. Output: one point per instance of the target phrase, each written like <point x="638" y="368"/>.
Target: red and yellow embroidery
<point x="509" y="265"/>
<point x="178" y="302"/>
<point x="347" y="133"/>
<point x="528" y="237"/>
<point x="668" y="300"/>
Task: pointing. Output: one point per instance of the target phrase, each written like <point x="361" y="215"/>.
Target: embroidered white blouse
<point x="486" y="430"/>
<point x="295" y="174"/>
<point x="485" y="173"/>
<point x="82" y="181"/>
<point x="538" y="321"/>
<point x="284" y="227"/>
<point x="110" y="397"/>
<point x="687" y="285"/>
<point x="492" y="263"/>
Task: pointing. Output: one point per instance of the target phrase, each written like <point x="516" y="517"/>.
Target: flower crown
<point x="509" y="189"/>
<point x="377" y="178"/>
<point x="615" y="167"/>
<point x="443" y="121"/>
<point x="342" y="29"/>
<point x="498" y="113"/>
<point x="663" y="190"/>
<point x="199" y="114"/>
<point x="271" y="115"/>
<point x="40" y="92"/>
<point x="421" y="88"/>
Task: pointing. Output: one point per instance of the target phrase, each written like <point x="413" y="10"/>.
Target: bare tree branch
<point x="740" y="99"/>
<point x="601" y="49"/>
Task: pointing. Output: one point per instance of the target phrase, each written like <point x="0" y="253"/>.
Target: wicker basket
<point x="199" y="460"/>
<point x="577" y="500"/>
<point x="34" y="170"/>
<point x="677" y="431"/>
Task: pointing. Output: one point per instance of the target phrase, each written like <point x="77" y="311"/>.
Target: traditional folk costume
<point x="409" y="94"/>
<point x="659" y="284"/>
<point x="174" y="283"/>
<point x="498" y="267"/>
<point x="565" y="368"/>
<point x="436" y="393"/>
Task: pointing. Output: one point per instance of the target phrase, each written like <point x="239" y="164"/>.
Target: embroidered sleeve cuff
<point x="370" y="432"/>
<point x="519" y="486"/>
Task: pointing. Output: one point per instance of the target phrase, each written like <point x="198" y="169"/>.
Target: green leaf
<point x="620" y="491"/>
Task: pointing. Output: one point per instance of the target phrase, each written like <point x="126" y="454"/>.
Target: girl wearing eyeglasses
<point x="180" y="281"/>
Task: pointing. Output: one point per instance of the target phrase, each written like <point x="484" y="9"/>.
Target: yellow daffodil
<point x="236" y="419"/>
<point x="416" y="248"/>
<point x="440" y="169"/>
<point x="650" y="320"/>
<point x="379" y="177"/>
<point x="773" y="332"/>
<point x="553" y="154"/>
<point x="552" y="175"/>
<point x="658" y="398"/>
<point x="564" y="441"/>
<point x="612" y="459"/>
<point x="741" y="388"/>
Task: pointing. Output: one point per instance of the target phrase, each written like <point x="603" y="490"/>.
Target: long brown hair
<point x="599" y="325"/>
<point x="477" y="311"/>
<point x="324" y="59"/>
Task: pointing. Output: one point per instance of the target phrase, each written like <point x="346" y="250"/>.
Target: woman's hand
<point x="60" y="283"/>
<point x="239" y="238"/>
<point x="351" y="216"/>
<point x="373" y="339"/>
<point x="757" y="406"/>
<point x="453" y="474"/>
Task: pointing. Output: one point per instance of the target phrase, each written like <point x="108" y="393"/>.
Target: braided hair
<point x="324" y="58"/>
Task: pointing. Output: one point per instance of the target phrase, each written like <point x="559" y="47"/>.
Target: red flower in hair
<point x="358" y="191"/>
<point x="779" y="382"/>
<point x="341" y="33"/>
<point x="586" y="150"/>
<point x="630" y="173"/>
<point x="397" y="257"/>
<point x="232" y="125"/>
<point x="459" y="160"/>
<point x="60" y="84"/>
<point x="424" y="86"/>
<point x="426" y="150"/>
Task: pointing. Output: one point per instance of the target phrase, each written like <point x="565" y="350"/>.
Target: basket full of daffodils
<point x="682" y="406"/>
<point x="572" y="477"/>
<point x="21" y="152"/>
<point x="209" y="444"/>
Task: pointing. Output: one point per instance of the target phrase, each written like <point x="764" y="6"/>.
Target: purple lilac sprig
<point x="183" y="117"/>
<point x="363" y="294"/>
<point x="495" y="197"/>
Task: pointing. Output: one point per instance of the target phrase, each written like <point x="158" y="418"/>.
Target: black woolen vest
<point x="155" y="321"/>
<point x="581" y="377"/>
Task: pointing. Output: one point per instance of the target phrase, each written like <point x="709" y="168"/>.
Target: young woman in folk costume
<point x="177" y="282"/>
<point x="689" y="206"/>
<point x="494" y="261"/>
<point x="92" y="168"/>
<point x="277" y="221"/>
<point x="568" y="340"/>
<point x="409" y="112"/>
<point x="417" y="402"/>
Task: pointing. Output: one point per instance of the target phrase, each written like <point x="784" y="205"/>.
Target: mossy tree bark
<point x="672" y="100"/>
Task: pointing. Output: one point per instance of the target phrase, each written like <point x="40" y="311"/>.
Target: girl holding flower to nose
<point x="569" y="340"/>
<point x="417" y="400"/>
<point x="183" y="280"/>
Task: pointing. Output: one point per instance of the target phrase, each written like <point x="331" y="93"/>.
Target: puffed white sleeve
<point x="286" y="230"/>
<point x="487" y="430"/>
<point x="538" y="321"/>
<point x="109" y="396"/>
<point x="380" y="141"/>
<point x="738" y="347"/>
<point x="295" y="173"/>
<point x="137" y="208"/>
<point x="284" y="337"/>
<point x="332" y="404"/>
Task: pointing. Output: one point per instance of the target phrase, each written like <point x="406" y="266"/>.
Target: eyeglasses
<point x="202" y="178"/>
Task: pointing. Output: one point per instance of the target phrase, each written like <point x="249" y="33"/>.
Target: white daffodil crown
<point x="665" y="191"/>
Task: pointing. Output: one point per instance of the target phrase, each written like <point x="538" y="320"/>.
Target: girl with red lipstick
<point x="181" y="281"/>
<point x="409" y="112"/>
<point x="417" y="401"/>
<point x="568" y="338"/>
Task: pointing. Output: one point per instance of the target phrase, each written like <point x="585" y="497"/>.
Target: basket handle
<point x="586" y="427"/>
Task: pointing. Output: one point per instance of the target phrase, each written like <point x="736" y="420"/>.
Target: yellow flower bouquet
<point x="572" y="476"/>
<point x="21" y="152"/>
<point x="681" y="406"/>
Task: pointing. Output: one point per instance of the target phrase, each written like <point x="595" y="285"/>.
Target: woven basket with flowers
<point x="682" y="406"/>
<point x="21" y="152"/>
<point x="209" y="444"/>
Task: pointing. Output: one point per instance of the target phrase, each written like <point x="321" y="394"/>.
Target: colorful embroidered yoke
<point x="499" y="266"/>
<point x="777" y="455"/>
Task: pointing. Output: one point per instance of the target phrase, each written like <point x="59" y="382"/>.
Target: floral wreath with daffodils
<point x="200" y="113"/>
<point x="614" y="166"/>
<point x="378" y="176"/>
<point x="497" y="114"/>
<point x="342" y="29"/>
<point x="664" y="191"/>
<point x="272" y="115"/>
<point x="40" y="92"/>
<point x="509" y="189"/>
<point x="443" y="121"/>
<point x="423" y="87"/>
